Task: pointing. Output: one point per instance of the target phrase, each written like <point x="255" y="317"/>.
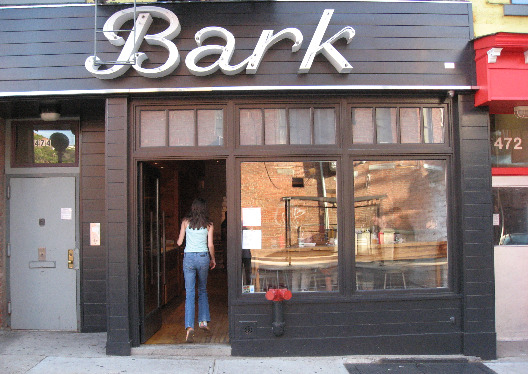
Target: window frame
<point x="450" y="287"/>
<point x="288" y="106"/>
<point x="420" y="146"/>
<point x="343" y="283"/>
<point x="167" y="108"/>
<point x="40" y="123"/>
<point x="343" y="152"/>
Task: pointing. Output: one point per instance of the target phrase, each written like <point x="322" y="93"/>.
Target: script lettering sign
<point x="130" y="56"/>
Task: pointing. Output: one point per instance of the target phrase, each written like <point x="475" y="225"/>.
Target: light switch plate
<point x="42" y="254"/>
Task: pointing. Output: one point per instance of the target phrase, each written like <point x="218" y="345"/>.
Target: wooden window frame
<point x="16" y="123"/>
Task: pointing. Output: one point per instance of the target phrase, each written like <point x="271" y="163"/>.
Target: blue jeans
<point x="195" y="270"/>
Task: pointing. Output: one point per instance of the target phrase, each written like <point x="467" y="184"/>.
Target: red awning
<point x="502" y="71"/>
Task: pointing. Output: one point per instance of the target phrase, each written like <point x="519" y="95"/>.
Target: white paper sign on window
<point x="251" y="217"/>
<point x="496" y="220"/>
<point x="251" y="239"/>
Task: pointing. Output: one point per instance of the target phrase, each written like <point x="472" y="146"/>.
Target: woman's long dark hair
<point x="198" y="216"/>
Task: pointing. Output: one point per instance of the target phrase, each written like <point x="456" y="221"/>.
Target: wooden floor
<point x="173" y="329"/>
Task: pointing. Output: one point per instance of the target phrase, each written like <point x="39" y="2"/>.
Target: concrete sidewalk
<point x="38" y="352"/>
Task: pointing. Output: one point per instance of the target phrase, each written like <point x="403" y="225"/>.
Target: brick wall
<point x="413" y="197"/>
<point x="265" y="184"/>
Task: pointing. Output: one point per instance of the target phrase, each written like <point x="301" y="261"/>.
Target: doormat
<point x="420" y="367"/>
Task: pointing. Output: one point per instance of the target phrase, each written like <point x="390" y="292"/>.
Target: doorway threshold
<point x="182" y="350"/>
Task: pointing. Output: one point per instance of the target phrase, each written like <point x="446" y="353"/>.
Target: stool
<point x="390" y="274"/>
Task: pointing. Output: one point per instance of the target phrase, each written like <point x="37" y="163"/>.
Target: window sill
<point x="516" y="10"/>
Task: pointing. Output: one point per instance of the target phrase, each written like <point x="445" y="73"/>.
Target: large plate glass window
<point x="37" y="143"/>
<point x="289" y="226"/>
<point x="400" y="224"/>
<point x="510" y="215"/>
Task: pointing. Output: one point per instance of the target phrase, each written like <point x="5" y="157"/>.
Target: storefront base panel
<point x="483" y="345"/>
<point x="118" y="348"/>
<point x="430" y="344"/>
<point x="401" y="327"/>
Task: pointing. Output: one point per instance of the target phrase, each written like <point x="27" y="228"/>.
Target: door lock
<point x="70" y="258"/>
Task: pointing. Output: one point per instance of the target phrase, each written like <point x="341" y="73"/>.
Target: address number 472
<point x="508" y="143"/>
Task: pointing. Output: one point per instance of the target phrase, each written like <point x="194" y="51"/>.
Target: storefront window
<point x="410" y="125"/>
<point x="176" y="128"/>
<point x="153" y="128"/>
<point x="400" y="224"/>
<point x="509" y="141"/>
<point x="287" y="126"/>
<point x="289" y="226"/>
<point x="276" y="127"/>
<point x="324" y="126"/>
<point x="210" y="127"/>
<point x="397" y="125"/>
<point x="386" y="125"/>
<point x="510" y="215"/>
<point x="45" y="144"/>
<point x="181" y="128"/>
<point x="433" y="125"/>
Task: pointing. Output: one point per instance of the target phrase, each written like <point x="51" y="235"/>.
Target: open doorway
<point x="166" y="191"/>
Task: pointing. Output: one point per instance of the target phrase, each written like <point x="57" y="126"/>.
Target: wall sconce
<point x="49" y="111"/>
<point x="521" y="111"/>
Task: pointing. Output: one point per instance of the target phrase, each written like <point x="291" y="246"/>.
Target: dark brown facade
<point x="402" y="54"/>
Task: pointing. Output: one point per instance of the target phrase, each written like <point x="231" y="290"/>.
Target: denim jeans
<point x="195" y="270"/>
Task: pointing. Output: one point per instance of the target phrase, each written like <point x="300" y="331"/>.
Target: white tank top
<point x="196" y="240"/>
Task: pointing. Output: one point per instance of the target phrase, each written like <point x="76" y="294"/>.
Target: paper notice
<point x="251" y="216"/>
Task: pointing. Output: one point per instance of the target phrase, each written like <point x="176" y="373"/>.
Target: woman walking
<point x="198" y="257"/>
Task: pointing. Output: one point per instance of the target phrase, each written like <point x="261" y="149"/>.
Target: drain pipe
<point x="278" y="295"/>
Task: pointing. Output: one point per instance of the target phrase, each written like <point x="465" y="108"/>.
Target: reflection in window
<point x="410" y="125"/>
<point x="174" y="128"/>
<point x="386" y="125"/>
<point x="250" y="126"/>
<point x="324" y="126"/>
<point x="276" y="129"/>
<point x="400" y="224"/>
<point x="300" y="126"/>
<point x="49" y="144"/>
<point x="210" y="127"/>
<point x="153" y="128"/>
<point x="397" y="125"/>
<point x="433" y="125"/>
<point x="509" y="141"/>
<point x="362" y="125"/>
<point x="181" y="128"/>
<point x="289" y="226"/>
<point x="510" y="215"/>
<point x="287" y="126"/>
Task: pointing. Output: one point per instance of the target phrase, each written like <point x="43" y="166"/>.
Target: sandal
<point x="189" y="338"/>
<point x="203" y="326"/>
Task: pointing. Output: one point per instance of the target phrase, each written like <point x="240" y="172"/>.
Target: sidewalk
<point x="37" y="352"/>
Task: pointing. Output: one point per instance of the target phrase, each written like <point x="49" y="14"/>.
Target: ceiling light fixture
<point x="49" y="111"/>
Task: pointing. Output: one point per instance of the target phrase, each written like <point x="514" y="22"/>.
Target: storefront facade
<point x="339" y="140"/>
<point x="502" y="77"/>
<point x="500" y="57"/>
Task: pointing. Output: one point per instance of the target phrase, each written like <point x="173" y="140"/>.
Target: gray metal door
<point x="43" y="275"/>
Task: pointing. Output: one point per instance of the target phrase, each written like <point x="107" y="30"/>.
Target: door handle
<point x="70" y="258"/>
